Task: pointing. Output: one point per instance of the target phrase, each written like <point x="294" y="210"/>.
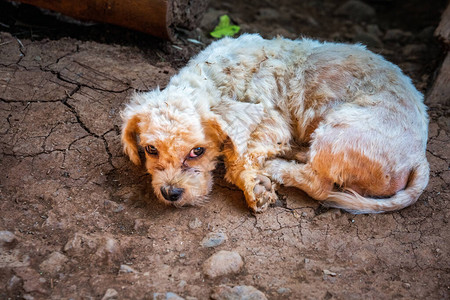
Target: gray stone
<point x="173" y="296"/>
<point x="13" y="283"/>
<point x="54" y="263"/>
<point x="268" y="14"/>
<point x="356" y="10"/>
<point x="242" y="292"/>
<point x="368" y="39"/>
<point x="415" y="50"/>
<point x="283" y="291"/>
<point x="214" y="239"/>
<point x="127" y="269"/>
<point x="110" y="294"/>
<point x="6" y="238"/>
<point x="196" y="223"/>
<point x="374" y="30"/>
<point x="166" y="296"/>
<point x="397" y="35"/>
<point x="222" y="263"/>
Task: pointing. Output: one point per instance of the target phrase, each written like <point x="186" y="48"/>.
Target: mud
<point x="80" y="221"/>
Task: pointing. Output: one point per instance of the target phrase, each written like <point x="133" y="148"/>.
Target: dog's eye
<point x="151" y="150"/>
<point x="196" y="152"/>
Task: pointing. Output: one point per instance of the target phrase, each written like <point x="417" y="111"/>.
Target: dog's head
<point x="182" y="139"/>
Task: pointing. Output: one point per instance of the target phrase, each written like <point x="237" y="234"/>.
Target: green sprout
<point x="224" y="28"/>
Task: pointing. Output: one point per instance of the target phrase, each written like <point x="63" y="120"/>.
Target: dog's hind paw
<point x="264" y="192"/>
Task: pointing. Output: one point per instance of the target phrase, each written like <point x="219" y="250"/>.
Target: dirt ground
<point x="79" y="221"/>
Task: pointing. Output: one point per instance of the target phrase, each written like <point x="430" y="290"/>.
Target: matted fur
<point x="363" y="123"/>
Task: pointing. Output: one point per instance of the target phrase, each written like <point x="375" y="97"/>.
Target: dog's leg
<point x="245" y="170"/>
<point x="299" y="175"/>
<point x="246" y="173"/>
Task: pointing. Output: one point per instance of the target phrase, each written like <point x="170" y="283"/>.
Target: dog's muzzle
<point x="171" y="193"/>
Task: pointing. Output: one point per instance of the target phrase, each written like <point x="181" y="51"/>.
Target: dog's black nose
<point x="170" y="193"/>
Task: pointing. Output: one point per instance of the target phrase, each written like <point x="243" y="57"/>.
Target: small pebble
<point x="328" y="272"/>
<point x="356" y="10"/>
<point x="182" y="284"/>
<point x="224" y="292"/>
<point x="173" y="296"/>
<point x="110" y="294"/>
<point x="196" y="223"/>
<point x="6" y="237"/>
<point x="54" y="263"/>
<point x="166" y="296"/>
<point x="283" y="291"/>
<point x="214" y="239"/>
<point x="127" y="269"/>
<point x="14" y="283"/>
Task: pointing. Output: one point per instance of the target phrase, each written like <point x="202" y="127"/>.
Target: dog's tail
<point x="355" y="203"/>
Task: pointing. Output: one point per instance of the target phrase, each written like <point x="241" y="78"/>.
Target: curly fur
<point x="250" y="100"/>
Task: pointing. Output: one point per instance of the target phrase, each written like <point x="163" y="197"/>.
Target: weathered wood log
<point x="443" y="29"/>
<point x="156" y="17"/>
<point x="440" y="91"/>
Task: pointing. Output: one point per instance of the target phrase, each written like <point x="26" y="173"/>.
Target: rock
<point x="283" y="291"/>
<point x="173" y="296"/>
<point x="14" y="283"/>
<point x="127" y="269"/>
<point x="267" y="13"/>
<point x="224" y="292"/>
<point x="415" y="50"/>
<point x="54" y="263"/>
<point x="196" y="223"/>
<point x="397" y="35"/>
<point x="356" y="10"/>
<point x="368" y="39"/>
<point x="182" y="284"/>
<point x="6" y="238"/>
<point x="426" y="34"/>
<point x="141" y="224"/>
<point x="32" y="280"/>
<point x="374" y="30"/>
<point x="13" y="259"/>
<point x="107" y="248"/>
<point x="166" y="296"/>
<point x="222" y="263"/>
<point x="110" y="294"/>
<point x="214" y="239"/>
<point x="328" y="272"/>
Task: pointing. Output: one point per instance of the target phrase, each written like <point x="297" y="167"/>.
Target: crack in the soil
<point x="79" y="84"/>
<point x="435" y="155"/>
<point x="32" y="155"/>
<point x="82" y="125"/>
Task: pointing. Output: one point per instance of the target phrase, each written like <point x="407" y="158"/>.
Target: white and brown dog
<point x="251" y="99"/>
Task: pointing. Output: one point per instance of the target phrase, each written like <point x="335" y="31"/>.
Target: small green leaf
<point x="224" y="28"/>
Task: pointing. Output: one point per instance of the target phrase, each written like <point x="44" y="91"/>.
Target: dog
<point x="361" y="124"/>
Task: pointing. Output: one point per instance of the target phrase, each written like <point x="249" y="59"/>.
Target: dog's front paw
<point x="264" y="193"/>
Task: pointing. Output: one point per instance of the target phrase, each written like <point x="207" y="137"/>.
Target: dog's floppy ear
<point x="237" y="121"/>
<point x="130" y="131"/>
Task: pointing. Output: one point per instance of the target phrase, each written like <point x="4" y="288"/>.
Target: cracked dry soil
<point x="79" y="221"/>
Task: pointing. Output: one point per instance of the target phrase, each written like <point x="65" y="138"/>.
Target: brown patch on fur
<point x="330" y="77"/>
<point x="356" y="171"/>
<point x="312" y="126"/>
<point x="129" y="132"/>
